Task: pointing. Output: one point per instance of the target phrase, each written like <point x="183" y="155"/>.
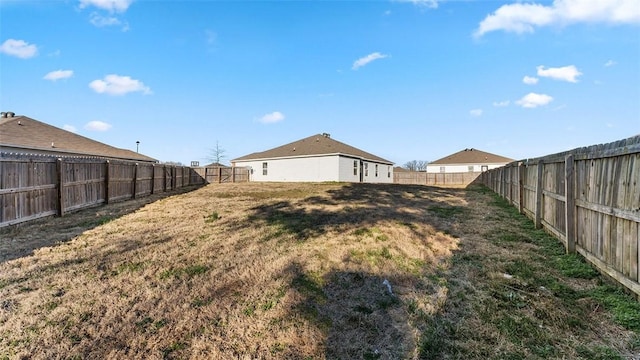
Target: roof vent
<point x="327" y="135"/>
<point x="8" y="114"/>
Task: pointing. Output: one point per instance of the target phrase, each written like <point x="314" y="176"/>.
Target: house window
<point x="441" y="169"/>
<point x="376" y="170"/>
<point x="366" y="169"/>
<point x="355" y="167"/>
<point x="484" y="168"/>
<point x="264" y="168"/>
<point x="470" y="168"/>
<point x="388" y="171"/>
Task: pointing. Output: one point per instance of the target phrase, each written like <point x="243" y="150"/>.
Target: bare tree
<point x="411" y="165"/>
<point x="217" y="154"/>
<point x="416" y="165"/>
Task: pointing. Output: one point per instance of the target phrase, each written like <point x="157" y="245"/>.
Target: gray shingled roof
<point x="25" y="135"/>
<point x="472" y="156"/>
<point x="320" y="144"/>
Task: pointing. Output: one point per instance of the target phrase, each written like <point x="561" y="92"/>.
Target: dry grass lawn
<point x="300" y="271"/>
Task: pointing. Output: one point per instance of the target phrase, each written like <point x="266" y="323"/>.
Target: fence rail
<point x="434" y="179"/>
<point x="223" y="174"/>
<point x="37" y="187"/>
<point x="589" y="198"/>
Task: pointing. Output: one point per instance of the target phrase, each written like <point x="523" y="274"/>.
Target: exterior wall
<point x="317" y="169"/>
<point x="304" y="169"/>
<point x="460" y="168"/>
<point x="385" y="173"/>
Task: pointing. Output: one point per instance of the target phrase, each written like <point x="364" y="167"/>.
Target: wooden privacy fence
<point x="33" y="188"/>
<point x="434" y="179"/>
<point x="223" y="174"/>
<point x="589" y="198"/>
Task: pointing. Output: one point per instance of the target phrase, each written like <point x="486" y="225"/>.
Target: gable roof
<point x="472" y="156"/>
<point x="25" y="135"/>
<point x="320" y="144"/>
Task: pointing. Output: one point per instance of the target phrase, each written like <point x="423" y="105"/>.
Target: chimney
<point x="327" y="135"/>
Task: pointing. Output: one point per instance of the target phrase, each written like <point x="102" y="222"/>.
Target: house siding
<point x="316" y="169"/>
<point x="305" y="169"/>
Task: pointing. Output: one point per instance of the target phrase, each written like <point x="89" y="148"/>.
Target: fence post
<point x="521" y="187"/>
<point x="135" y="180"/>
<point x="233" y="174"/>
<point x="539" y="184"/>
<point x="510" y="168"/>
<point x="570" y="204"/>
<point x="164" y="178"/>
<point x="107" y="180"/>
<point x="60" y="175"/>
<point x="153" y="177"/>
<point x="219" y="174"/>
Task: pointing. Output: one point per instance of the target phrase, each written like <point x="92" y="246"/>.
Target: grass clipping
<point x="299" y="271"/>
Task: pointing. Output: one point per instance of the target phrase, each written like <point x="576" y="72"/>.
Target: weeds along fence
<point x="33" y="188"/>
<point x="223" y="174"/>
<point x="435" y="179"/>
<point x="589" y="198"/>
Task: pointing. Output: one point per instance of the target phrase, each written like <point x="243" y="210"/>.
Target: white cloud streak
<point x="565" y="73"/>
<point x="610" y="63"/>
<point x="367" y="59"/>
<point x="70" y="128"/>
<point x="530" y="80"/>
<point x="18" y="48"/>
<point x="109" y="5"/>
<point x="97" y="125"/>
<point x="504" y="103"/>
<point x="58" y="74"/>
<point x="118" y="85"/>
<point x="432" y="4"/>
<point x="533" y="100"/>
<point x="525" y="17"/>
<point x="476" y="112"/>
<point x="272" y="118"/>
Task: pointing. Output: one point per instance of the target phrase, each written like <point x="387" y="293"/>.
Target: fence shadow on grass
<point x="23" y="239"/>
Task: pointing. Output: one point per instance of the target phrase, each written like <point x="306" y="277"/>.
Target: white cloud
<point x="530" y="80"/>
<point x="367" y="59"/>
<point x="501" y="103"/>
<point x="565" y="73"/>
<point x="118" y="85"/>
<point x="58" y="74"/>
<point x="475" y="112"/>
<point x="525" y="17"/>
<point x="432" y="4"/>
<point x="19" y="48"/>
<point x="533" y="100"/>
<point x="70" y="128"/>
<point x="101" y="21"/>
<point x="271" y="118"/>
<point x="610" y="63"/>
<point x="109" y="5"/>
<point x="97" y="126"/>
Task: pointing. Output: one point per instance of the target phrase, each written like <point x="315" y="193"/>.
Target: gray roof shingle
<point x="320" y="144"/>
<point x="26" y="135"/>
<point x="472" y="156"/>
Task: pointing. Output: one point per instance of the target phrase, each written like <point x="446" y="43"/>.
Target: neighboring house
<point x="20" y="135"/>
<point x="467" y="160"/>
<point x="316" y="158"/>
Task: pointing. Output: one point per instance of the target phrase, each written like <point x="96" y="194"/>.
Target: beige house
<point x="467" y="160"/>
<point x="24" y="136"/>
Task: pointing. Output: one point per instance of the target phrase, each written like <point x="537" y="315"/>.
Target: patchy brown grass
<point x="295" y="271"/>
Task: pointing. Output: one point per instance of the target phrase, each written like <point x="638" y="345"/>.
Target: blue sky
<point x="405" y="80"/>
